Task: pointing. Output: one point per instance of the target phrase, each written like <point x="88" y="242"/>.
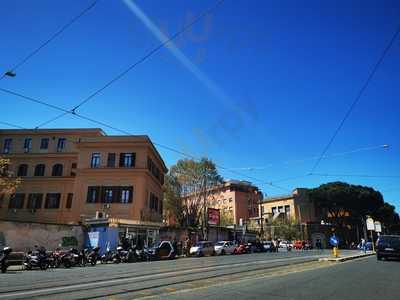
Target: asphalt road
<point x="219" y="277"/>
<point x="361" y="279"/>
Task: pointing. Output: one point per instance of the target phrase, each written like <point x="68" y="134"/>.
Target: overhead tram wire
<point x="357" y="99"/>
<point x="48" y="41"/>
<point x="171" y="149"/>
<point x="138" y="62"/>
<point x="334" y="155"/>
<point x="355" y="175"/>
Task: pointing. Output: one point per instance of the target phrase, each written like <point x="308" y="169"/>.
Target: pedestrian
<point x="363" y="246"/>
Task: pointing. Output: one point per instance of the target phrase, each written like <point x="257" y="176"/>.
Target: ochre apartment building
<point x="75" y="176"/>
<point x="238" y="199"/>
<point x="296" y="207"/>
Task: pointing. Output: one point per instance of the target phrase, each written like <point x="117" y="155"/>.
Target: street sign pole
<point x="371" y="228"/>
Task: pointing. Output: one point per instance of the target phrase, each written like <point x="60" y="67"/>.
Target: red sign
<point x="213" y="216"/>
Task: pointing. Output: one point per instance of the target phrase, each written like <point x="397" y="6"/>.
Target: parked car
<point x="240" y="249"/>
<point x="224" y="247"/>
<point x="258" y="247"/>
<point x="388" y="246"/>
<point x="161" y="250"/>
<point x="298" y="245"/>
<point x="269" y="246"/>
<point x="202" y="248"/>
<point x="283" y="244"/>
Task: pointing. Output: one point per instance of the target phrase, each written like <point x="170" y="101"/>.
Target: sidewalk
<point x="342" y="258"/>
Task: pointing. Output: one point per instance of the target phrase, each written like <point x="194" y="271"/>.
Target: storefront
<point x="111" y="232"/>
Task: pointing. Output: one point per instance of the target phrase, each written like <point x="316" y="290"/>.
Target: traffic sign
<point x="334" y="241"/>
<point x="378" y="227"/>
<point x="370" y="224"/>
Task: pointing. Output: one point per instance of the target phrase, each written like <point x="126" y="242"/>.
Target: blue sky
<point x="288" y="71"/>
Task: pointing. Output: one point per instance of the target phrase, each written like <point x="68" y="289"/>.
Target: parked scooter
<point x="4" y="258"/>
<point x="73" y="258"/>
<point x="92" y="256"/>
<point x="127" y="256"/>
<point x="36" y="259"/>
<point x="107" y="257"/>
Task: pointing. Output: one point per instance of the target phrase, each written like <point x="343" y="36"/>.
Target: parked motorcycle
<point x="36" y="259"/>
<point x="92" y="256"/>
<point x="4" y="258"/>
<point x="107" y="257"/>
<point x="127" y="256"/>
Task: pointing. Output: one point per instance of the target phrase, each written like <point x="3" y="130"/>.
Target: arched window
<point x="39" y="170"/>
<point x="22" y="170"/>
<point x="57" y="170"/>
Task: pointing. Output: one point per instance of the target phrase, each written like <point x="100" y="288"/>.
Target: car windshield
<point x="220" y="244"/>
<point x="156" y="244"/>
<point x="393" y="240"/>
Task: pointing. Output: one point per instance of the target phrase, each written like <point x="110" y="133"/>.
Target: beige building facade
<point x="72" y="176"/>
<point x="296" y="207"/>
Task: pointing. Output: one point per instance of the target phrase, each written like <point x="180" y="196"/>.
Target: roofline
<point x="39" y="130"/>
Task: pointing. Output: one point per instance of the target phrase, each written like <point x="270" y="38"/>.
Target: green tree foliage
<point x="285" y="229"/>
<point x="347" y="205"/>
<point x="226" y="218"/>
<point x="187" y="188"/>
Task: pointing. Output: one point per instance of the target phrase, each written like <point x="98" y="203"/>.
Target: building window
<point x="274" y="211"/>
<point x="68" y="205"/>
<point x="108" y="193"/>
<point x="34" y="201"/>
<point x="39" y="170"/>
<point x="111" y="160"/>
<point x="95" y="162"/>
<point x="73" y="166"/>
<point x="151" y="166"/>
<point x="22" y="170"/>
<point x="93" y="194"/>
<point x="127" y="160"/>
<point x="280" y="209"/>
<point x="44" y="144"/>
<point x="52" y="201"/>
<point x="61" y="144"/>
<point x="125" y="194"/>
<point x="262" y="210"/>
<point x="153" y="202"/>
<point x="7" y="145"/>
<point x="57" y="170"/>
<point x="287" y="210"/>
<point x="16" y="201"/>
<point x="230" y="200"/>
<point x="28" y="145"/>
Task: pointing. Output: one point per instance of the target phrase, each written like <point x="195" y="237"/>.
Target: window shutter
<point x="121" y="159"/>
<point x="133" y="160"/>
<point x="115" y="194"/>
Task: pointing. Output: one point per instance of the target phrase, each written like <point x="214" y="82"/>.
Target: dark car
<point x="388" y="246"/>
<point x="161" y="250"/>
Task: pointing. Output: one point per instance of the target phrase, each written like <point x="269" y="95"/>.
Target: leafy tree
<point x="286" y="229"/>
<point x="8" y="183"/>
<point x="346" y="206"/>
<point x="188" y="186"/>
<point x="226" y="218"/>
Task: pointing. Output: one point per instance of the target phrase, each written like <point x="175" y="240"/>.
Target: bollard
<point x="335" y="251"/>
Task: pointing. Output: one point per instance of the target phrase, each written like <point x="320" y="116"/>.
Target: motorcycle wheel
<point x="67" y="264"/>
<point x="3" y="268"/>
<point x="43" y="266"/>
<point x="93" y="262"/>
<point x="28" y="267"/>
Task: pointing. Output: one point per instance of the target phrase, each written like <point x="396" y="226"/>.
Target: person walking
<point x="363" y="245"/>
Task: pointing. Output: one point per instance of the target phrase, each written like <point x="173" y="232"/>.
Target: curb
<point x="345" y="258"/>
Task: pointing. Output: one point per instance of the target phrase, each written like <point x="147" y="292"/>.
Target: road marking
<point x="138" y="278"/>
<point x="279" y="273"/>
